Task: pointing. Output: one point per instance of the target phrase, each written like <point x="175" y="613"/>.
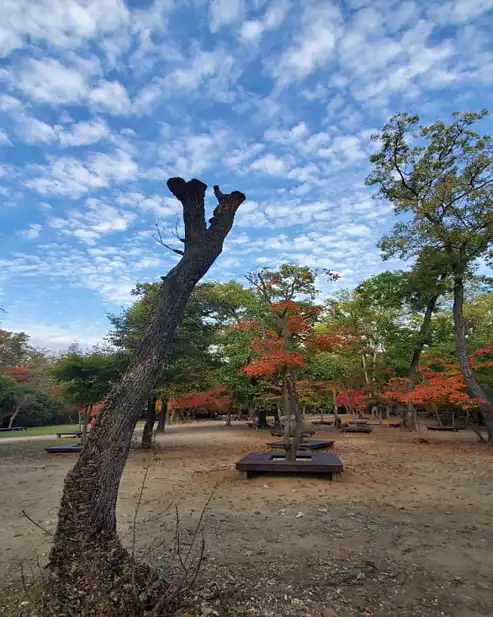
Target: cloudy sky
<point x="102" y="100"/>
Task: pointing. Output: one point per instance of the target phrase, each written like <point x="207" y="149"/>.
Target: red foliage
<point x="351" y="398"/>
<point x="271" y="363"/>
<point x="213" y="400"/>
<point x="482" y="358"/>
<point x="438" y="388"/>
<point x="396" y="389"/>
<point x="19" y="373"/>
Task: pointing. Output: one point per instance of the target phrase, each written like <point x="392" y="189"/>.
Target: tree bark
<point x="162" y="420"/>
<point x="87" y="514"/>
<point x="295" y="405"/>
<point x="485" y="407"/>
<point x="146" y="443"/>
<point x="411" y="418"/>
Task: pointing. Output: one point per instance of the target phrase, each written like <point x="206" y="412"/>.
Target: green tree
<point x="87" y="378"/>
<point x="15" y="349"/>
<point x="441" y="177"/>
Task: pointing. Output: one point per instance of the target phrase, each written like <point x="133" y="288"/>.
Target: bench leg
<point x="337" y="477"/>
<point x="244" y="475"/>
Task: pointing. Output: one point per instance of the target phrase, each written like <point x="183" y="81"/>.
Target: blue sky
<point x="102" y="100"/>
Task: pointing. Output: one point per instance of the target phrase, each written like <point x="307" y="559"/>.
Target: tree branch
<point x="159" y="239"/>
<point x="223" y="215"/>
<point x="191" y="195"/>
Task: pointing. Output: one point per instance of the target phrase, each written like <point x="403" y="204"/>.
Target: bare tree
<point x="87" y="514"/>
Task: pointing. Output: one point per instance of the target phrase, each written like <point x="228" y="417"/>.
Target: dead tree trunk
<point x="86" y="530"/>
<point x="146" y="443"/>
<point x="476" y="391"/>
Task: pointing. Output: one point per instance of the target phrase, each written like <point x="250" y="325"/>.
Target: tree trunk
<point x="162" y="420"/>
<point x="14" y="415"/>
<point x="146" y="443"/>
<point x="295" y="405"/>
<point x="261" y="418"/>
<point x="277" y="418"/>
<point x="411" y="417"/>
<point x="365" y="370"/>
<point x="86" y="530"/>
<point x="85" y="420"/>
<point x="337" y="418"/>
<point x="475" y="390"/>
<point x="228" y="419"/>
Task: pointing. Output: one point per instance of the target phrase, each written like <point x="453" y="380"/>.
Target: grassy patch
<point x="41" y="430"/>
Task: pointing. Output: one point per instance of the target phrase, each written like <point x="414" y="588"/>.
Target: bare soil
<point x="407" y="533"/>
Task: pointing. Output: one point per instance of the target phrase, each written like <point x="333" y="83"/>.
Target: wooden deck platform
<point x="68" y="448"/>
<point x="279" y="433"/>
<point x="313" y="463"/>
<point x="453" y="429"/>
<point x="304" y="445"/>
<point x="357" y="428"/>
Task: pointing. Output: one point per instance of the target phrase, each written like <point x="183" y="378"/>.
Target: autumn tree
<point x="285" y="333"/>
<point x="87" y="561"/>
<point x="442" y="176"/>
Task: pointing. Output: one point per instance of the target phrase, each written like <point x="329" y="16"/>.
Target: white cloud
<point x="73" y="177"/>
<point x="33" y="131"/>
<point x="272" y="164"/>
<point x="32" y="232"/>
<point x="56" y="337"/>
<point x="84" y="133"/>
<point x="62" y="23"/>
<point x="110" y="96"/>
<point x="96" y="220"/>
<point x="4" y="138"/>
<point x="49" y="81"/>
<point x="275" y="14"/>
<point x="312" y="47"/>
<point x="224" y="13"/>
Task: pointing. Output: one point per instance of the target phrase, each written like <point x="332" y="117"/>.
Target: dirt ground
<point x="407" y="533"/>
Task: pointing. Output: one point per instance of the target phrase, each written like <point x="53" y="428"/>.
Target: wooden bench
<point x="73" y="434"/>
<point x="14" y="428"/>
<point x="453" y="429"/>
<point x="304" y="445"/>
<point x="279" y="433"/>
<point x="68" y="448"/>
<point x="322" y="422"/>
<point x="357" y="428"/>
<point x="321" y="463"/>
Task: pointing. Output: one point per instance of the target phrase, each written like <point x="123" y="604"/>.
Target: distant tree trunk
<point x="411" y="417"/>
<point x="86" y="530"/>
<point x="14" y="415"/>
<point x="476" y="391"/>
<point x="277" y="418"/>
<point x="365" y="370"/>
<point x="85" y="421"/>
<point x="146" y="443"/>
<point x="261" y="418"/>
<point x="337" y="417"/>
<point x="163" y="417"/>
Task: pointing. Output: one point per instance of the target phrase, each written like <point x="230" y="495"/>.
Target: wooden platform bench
<point x="304" y="434"/>
<point x="357" y="428"/>
<point x="66" y="449"/>
<point x="13" y="428"/>
<point x="453" y="429"/>
<point x="321" y="463"/>
<point x="73" y="434"/>
<point x="304" y="445"/>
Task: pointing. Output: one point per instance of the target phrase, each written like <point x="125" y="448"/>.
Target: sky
<point x="101" y="101"/>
